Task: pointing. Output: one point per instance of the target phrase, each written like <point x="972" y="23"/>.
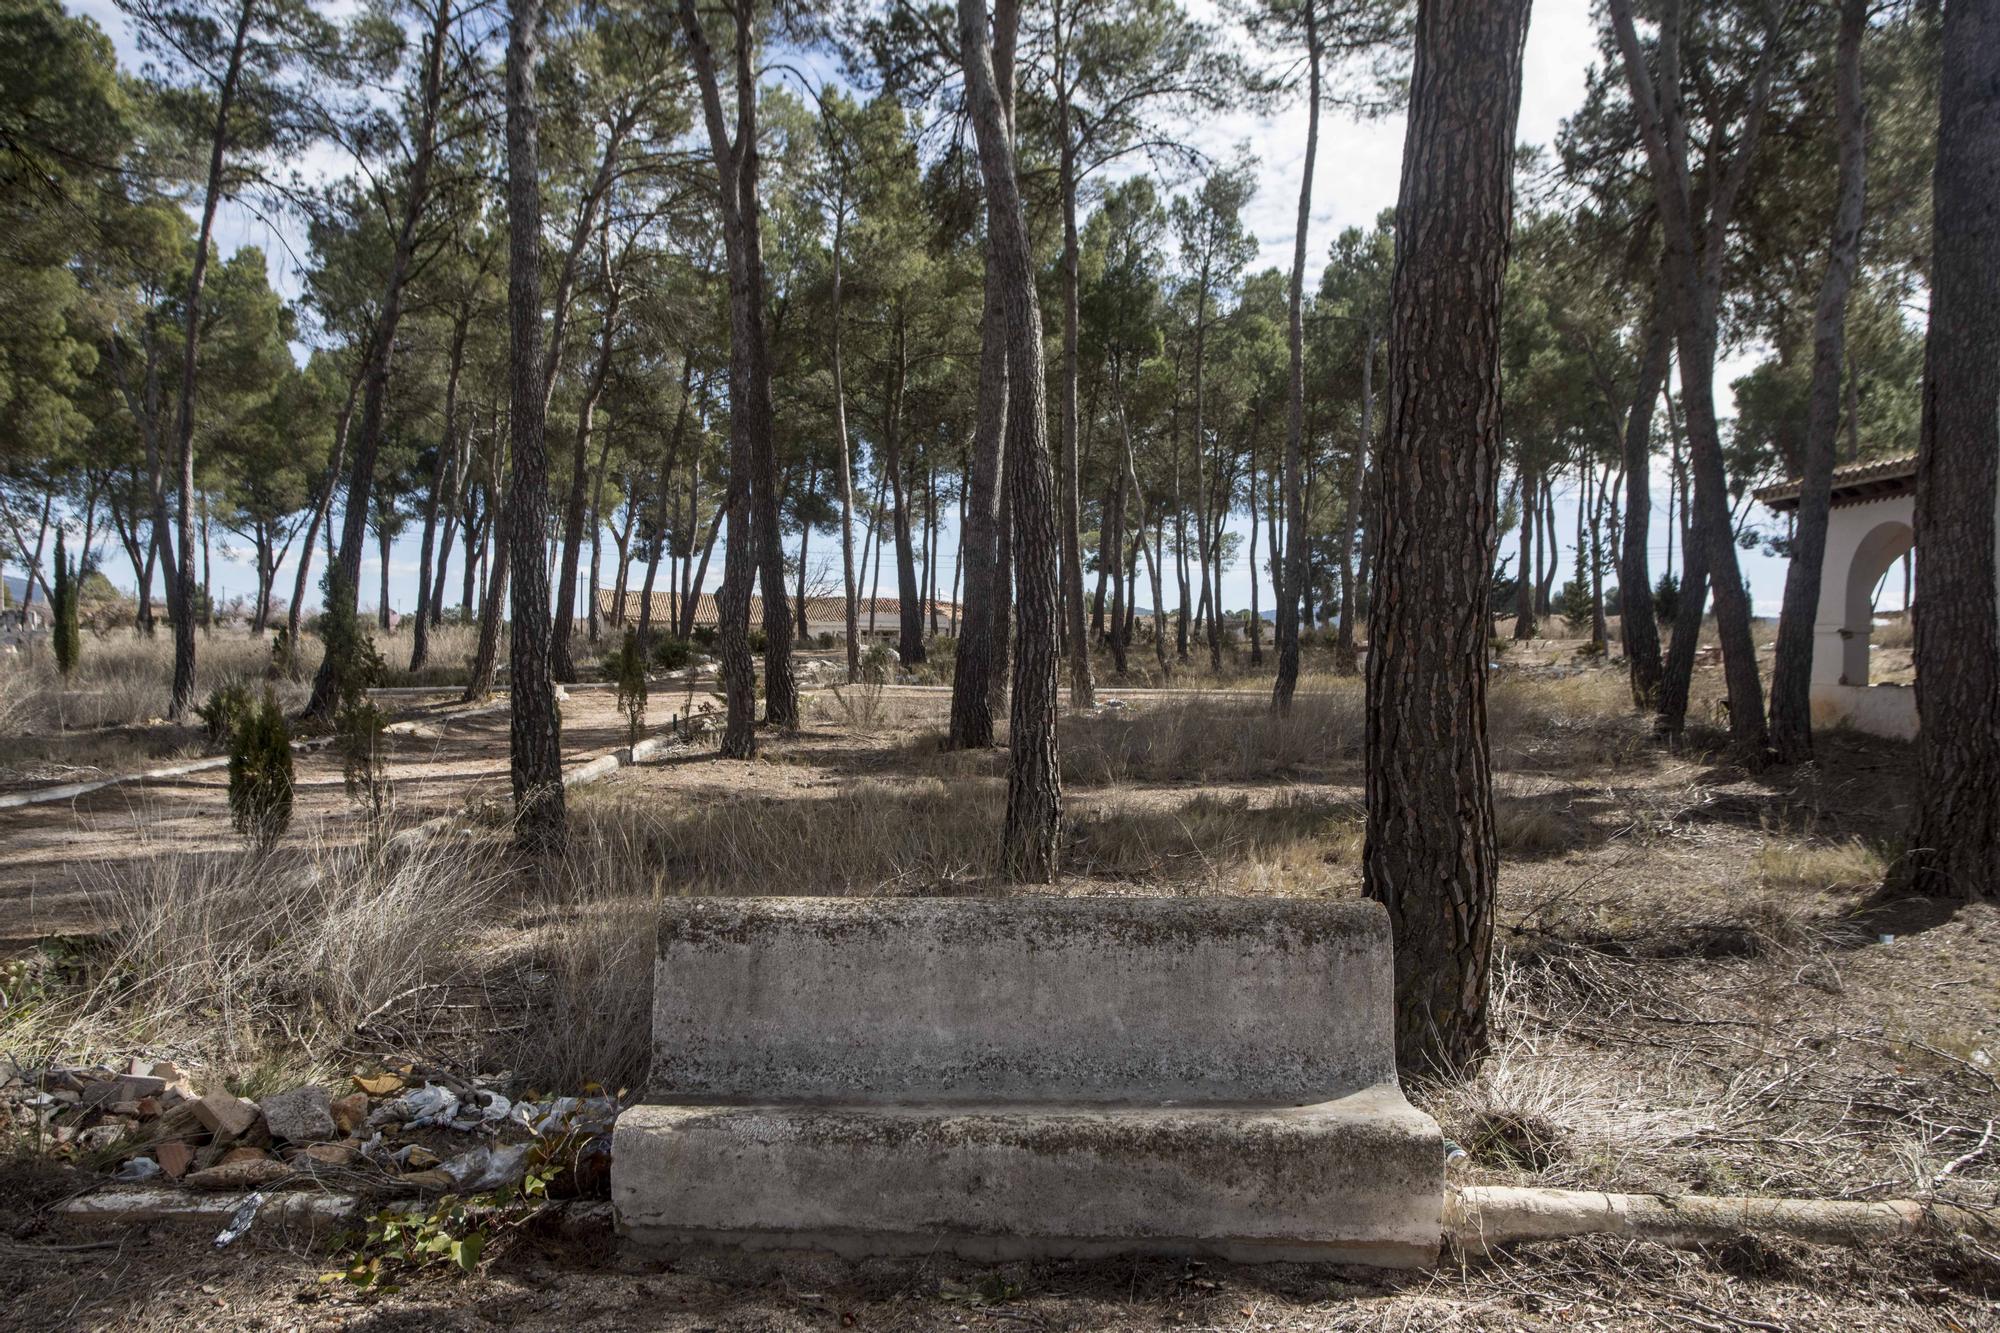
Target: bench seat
<point x="1011" y="1078"/>
<point x="1345" y="1181"/>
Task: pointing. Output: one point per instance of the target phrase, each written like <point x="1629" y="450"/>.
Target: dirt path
<point x="58" y="859"/>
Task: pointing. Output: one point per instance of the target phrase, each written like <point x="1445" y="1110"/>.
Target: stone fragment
<point x="350" y="1113"/>
<point x="225" y="1115"/>
<point x="239" y="1175"/>
<point x="326" y="1154"/>
<point x="125" y="1088"/>
<point x="235" y="1155"/>
<point x="174" y="1159"/>
<point x="303" y="1115"/>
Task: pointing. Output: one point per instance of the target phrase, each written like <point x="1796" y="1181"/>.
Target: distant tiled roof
<point x="819" y="610"/>
<point x="1857" y="483"/>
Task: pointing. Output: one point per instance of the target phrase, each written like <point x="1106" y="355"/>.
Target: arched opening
<point x="1885" y="544"/>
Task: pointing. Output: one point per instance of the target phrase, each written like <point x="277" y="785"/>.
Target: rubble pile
<point x="394" y="1129"/>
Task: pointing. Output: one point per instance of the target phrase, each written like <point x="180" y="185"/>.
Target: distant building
<point x="35" y="615"/>
<point x="824" y="615"/>
<point x="1871" y="527"/>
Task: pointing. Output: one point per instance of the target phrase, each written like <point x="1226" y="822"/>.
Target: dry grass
<point x="1822" y="867"/>
<point x="1534" y="722"/>
<point x="1224" y="737"/>
<point x="239" y="960"/>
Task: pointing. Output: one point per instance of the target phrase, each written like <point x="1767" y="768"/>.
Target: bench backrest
<point x="1142" y="1000"/>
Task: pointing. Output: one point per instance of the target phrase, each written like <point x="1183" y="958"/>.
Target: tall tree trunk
<point x="420" y="637"/>
<point x="536" y="770"/>
<point x="1638" y="628"/>
<point x="1295" y="398"/>
<point x="972" y="667"/>
<point x="375" y="384"/>
<point x="1524" y="585"/>
<point x="753" y="460"/>
<point x="1082" y="692"/>
<point x="1431" y="855"/>
<point x="1031" y="834"/>
<point x="182" y="572"/>
<point x="1955" y="833"/>
<point x="1364" y="443"/>
<point x="851" y="609"/>
<point x="909" y="596"/>
<point x="1791" y="672"/>
<point x="1695" y="266"/>
<point x="562" y="661"/>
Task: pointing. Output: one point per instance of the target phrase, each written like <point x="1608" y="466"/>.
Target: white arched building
<point x="1870" y="529"/>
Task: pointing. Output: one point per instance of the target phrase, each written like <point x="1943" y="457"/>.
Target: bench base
<point x="1358" y="1180"/>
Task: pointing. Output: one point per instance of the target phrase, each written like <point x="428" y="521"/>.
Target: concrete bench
<point x="1006" y="1078"/>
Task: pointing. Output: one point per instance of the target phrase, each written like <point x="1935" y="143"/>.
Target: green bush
<point x="758" y="641"/>
<point x="671" y="654"/>
<point x="704" y="636"/>
<point x="877" y="665"/>
<point x="628" y="668"/>
<point x="222" y="717"/>
<point x="357" y="722"/>
<point x="1667" y="599"/>
<point x="826" y="639"/>
<point x="260" y="773"/>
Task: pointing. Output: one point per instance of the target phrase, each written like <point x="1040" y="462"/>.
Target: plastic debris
<point x="241" y="1220"/>
<point x="137" y="1169"/>
<point x="482" y="1109"/>
<point x="418" y="1108"/>
<point x="488" y="1168"/>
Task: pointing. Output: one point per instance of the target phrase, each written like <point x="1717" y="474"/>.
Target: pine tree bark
<point x="1431" y="854"/>
<point x="1031" y="834"/>
<point x="536" y="769"/>
<point x="1791" y="671"/>
<point x="1955" y="835"/>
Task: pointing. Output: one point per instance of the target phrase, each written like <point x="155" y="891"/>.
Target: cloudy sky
<point x="1359" y="167"/>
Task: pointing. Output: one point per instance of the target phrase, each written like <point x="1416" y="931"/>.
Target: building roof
<point x="819" y="610"/>
<point x="1857" y="483"/>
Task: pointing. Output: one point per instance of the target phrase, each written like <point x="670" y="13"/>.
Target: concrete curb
<point x="1479" y="1219"/>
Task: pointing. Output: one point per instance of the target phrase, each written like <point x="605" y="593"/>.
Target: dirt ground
<point x="1699" y="988"/>
<point x="57" y="858"/>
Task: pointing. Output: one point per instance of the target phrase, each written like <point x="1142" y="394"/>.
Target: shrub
<point x="758" y="641"/>
<point x="229" y="706"/>
<point x="826" y="639"/>
<point x="704" y="636"/>
<point x="1576" y="605"/>
<point x="357" y="722"/>
<point x="628" y="669"/>
<point x="1667" y="599"/>
<point x="877" y="664"/>
<point x="260" y="773"/>
<point x="670" y="654"/>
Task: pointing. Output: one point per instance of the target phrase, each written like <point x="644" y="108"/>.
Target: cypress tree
<point x="68" y="642"/>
